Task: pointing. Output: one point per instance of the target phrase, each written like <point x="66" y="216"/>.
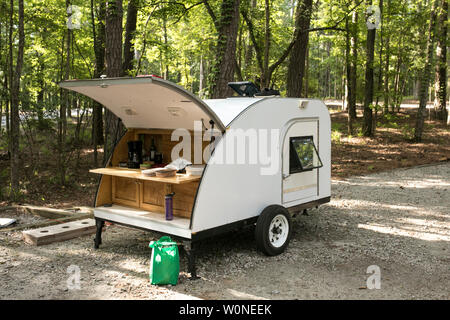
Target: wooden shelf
<point x="144" y="219"/>
<point x="137" y="174"/>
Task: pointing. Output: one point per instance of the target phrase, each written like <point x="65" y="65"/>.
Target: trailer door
<point x="301" y="161"/>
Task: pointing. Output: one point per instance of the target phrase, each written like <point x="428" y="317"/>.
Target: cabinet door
<point x="152" y="196"/>
<point x="125" y="191"/>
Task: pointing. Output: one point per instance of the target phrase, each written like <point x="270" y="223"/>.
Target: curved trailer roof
<point x="228" y="109"/>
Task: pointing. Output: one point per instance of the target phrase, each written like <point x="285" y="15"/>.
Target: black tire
<point x="272" y="246"/>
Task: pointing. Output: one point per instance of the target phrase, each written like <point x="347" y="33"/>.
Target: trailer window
<point x="303" y="155"/>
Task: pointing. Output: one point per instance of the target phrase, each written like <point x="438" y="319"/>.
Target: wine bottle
<point x="152" y="150"/>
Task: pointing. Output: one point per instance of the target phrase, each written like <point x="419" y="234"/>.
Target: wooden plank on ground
<point x="59" y="232"/>
<point x="48" y="223"/>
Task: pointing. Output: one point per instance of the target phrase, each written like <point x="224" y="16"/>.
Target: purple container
<point x="169" y="206"/>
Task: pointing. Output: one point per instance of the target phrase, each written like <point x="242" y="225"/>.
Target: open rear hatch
<point x="146" y="102"/>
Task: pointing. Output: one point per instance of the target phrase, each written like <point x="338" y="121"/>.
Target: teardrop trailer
<point x="264" y="157"/>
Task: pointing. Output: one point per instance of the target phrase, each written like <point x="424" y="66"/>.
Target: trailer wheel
<point x="273" y="230"/>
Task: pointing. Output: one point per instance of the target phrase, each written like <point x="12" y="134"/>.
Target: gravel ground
<point x="397" y="220"/>
<point x="22" y="217"/>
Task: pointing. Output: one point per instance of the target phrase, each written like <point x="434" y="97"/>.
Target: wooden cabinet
<point x="150" y="194"/>
<point x="152" y="197"/>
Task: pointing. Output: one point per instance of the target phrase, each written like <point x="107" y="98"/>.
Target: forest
<point x="380" y="65"/>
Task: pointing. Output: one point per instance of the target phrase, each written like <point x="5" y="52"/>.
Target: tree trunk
<point x="165" y="56"/>
<point x="113" y="46"/>
<point x="201" y="78"/>
<point x="368" y="90"/>
<point x="66" y="99"/>
<point x="2" y="95"/>
<point x="40" y="97"/>
<point x="7" y="102"/>
<point x="349" y="90"/>
<point x="10" y="71"/>
<point x="396" y="81"/>
<point x="426" y="75"/>
<point x="386" y="63"/>
<point x="130" y="30"/>
<point x="1" y="117"/>
<point x="296" y="68"/>
<point x="64" y="106"/>
<point x="15" y="89"/>
<point x="98" y="33"/>
<point x="265" y="79"/>
<point x="227" y="27"/>
<point x="306" y="80"/>
<point x="380" y="58"/>
<point x="113" y="57"/>
<point x="440" y="84"/>
<point x="353" y="64"/>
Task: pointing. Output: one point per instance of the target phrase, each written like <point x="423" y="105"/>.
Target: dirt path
<point x="398" y="221"/>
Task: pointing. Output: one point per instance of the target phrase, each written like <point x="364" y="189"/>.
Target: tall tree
<point x="440" y="84"/>
<point x="98" y="35"/>
<point x="426" y="74"/>
<point x="349" y="90"/>
<point x="297" y="61"/>
<point x="386" y="62"/>
<point x="65" y="102"/>
<point x="15" y="100"/>
<point x="368" y="89"/>
<point x="353" y="64"/>
<point x="262" y="52"/>
<point x="130" y="30"/>
<point x="113" y="58"/>
<point x="66" y="98"/>
<point x="227" y="25"/>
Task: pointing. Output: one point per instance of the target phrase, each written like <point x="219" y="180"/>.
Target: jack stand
<point x="98" y="235"/>
<point x="189" y="249"/>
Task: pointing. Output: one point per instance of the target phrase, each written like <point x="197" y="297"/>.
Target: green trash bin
<point x="164" y="262"/>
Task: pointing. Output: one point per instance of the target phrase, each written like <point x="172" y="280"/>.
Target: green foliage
<point x="336" y="136"/>
<point x="407" y="132"/>
<point x="178" y="39"/>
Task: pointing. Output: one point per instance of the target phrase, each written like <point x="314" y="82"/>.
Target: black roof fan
<point x="249" y="89"/>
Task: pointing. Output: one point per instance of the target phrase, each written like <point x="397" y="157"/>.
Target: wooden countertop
<point x="136" y="174"/>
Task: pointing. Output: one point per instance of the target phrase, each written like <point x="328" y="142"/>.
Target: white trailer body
<point x="243" y="191"/>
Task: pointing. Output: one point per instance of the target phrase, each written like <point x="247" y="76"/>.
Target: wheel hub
<point x="278" y="230"/>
